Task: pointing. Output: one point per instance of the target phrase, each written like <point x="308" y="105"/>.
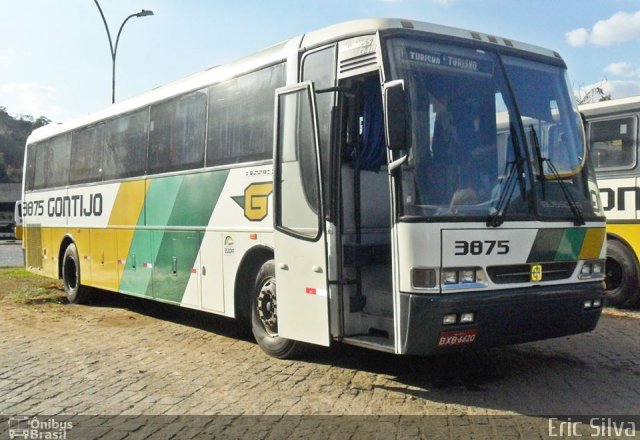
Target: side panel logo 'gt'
<point x="255" y="200"/>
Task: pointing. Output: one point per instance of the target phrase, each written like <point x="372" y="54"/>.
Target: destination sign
<point x="449" y="61"/>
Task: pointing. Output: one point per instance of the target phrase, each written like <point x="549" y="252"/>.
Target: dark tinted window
<point x="86" y="154"/>
<point x="319" y="67"/>
<point x="52" y="162"/>
<point x="176" y="137"/>
<point x="296" y="156"/>
<point x="125" y="150"/>
<point x="241" y="117"/>
<point x="613" y="143"/>
<point x="31" y="166"/>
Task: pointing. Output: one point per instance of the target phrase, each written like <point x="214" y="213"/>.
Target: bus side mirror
<point x="395" y="115"/>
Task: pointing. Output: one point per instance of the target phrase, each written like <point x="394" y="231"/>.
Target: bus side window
<point x="320" y="67"/>
<point x="613" y="143"/>
<point x="240" y="117"/>
<point x="177" y="132"/>
<point x="125" y="149"/>
<point x="86" y="154"/>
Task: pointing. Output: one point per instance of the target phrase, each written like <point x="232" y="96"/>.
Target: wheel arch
<point x="625" y="243"/>
<point x="64" y="244"/>
<point x="251" y="262"/>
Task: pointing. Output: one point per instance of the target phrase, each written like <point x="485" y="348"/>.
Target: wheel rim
<point x="614" y="274"/>
<point x="267" y="306"/>
<point x="70" y="274"/>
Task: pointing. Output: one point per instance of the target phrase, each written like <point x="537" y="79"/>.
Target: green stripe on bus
<point x="178" y="250"/>
<point x="571" y="243"/>
<point x="158" y="205"/>
<point x="545" y="245"/>
<point x="557" y="245"/>
<point x="196" y="199"/>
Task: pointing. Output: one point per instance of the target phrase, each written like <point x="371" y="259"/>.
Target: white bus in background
<point x="357" y="165"/>
<point x="17" y="220"/>
<point x="6" y="224"/>
<point x="612" y="128"/>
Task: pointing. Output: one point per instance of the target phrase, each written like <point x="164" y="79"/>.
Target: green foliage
<point x="13" y="136"/>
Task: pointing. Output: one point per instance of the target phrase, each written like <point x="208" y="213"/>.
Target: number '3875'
<point x="481" y="247"/>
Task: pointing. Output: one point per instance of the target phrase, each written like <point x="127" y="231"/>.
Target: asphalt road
<point x="11" y="253"/>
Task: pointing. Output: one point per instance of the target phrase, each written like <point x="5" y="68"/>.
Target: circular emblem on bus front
<point x="536" y="272"/>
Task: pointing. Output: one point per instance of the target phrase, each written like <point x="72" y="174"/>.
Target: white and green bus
<point x="408" y="187"/>
<point x="612" y="128"/>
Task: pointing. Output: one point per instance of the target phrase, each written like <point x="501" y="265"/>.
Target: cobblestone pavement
<point x="125" y="356"/>
<point x="11" y="253"/>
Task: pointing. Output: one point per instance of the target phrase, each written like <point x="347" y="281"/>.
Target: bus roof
<point x="276" y="54"/>
<point x="612" y="106"/>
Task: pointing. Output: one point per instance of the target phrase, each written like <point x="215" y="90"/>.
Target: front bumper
<point x="503" y="317"/>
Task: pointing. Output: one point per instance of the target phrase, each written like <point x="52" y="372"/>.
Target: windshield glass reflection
<point x="475" y="149"/>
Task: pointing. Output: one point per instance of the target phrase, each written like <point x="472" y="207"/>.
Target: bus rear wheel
<point x="264" y="316"/>
<point x="76" y="293"/>
<point x="621" y="276"/>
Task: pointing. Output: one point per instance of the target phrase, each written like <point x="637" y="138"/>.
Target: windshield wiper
<point x="536" y="147"/>
<point x="496" y="218"/>
<point x="578" y="218"/>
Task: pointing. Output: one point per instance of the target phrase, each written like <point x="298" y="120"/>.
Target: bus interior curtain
<point x="372" y="154"/>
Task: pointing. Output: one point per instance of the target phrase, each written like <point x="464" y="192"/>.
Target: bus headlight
<point x="592" y="269"/>
<point x="459" y="276"/>
<point x="450" y="277"/>
<point x="598" y="268"/>
<point x="468" y="276"/>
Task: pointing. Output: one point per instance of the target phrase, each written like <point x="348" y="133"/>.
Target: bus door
<point x="300" y="248"/>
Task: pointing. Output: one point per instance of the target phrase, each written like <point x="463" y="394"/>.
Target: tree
<point x="594" y="93"/>
<point x="41" y="122"/>
<point x="3" y="169"/>
<point x="13" y="136"/>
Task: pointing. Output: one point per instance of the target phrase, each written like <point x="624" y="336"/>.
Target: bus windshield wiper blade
<point x="496" y="218"/>
<point x="578" y="218"/>
<point x="536" y="147"/>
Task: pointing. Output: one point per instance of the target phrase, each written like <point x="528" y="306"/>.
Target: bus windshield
<point x="468" y="109"/>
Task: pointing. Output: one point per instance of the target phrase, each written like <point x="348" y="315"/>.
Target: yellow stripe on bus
<point x="592" y="244"/>
<point x="128" y="204"/>
<point x="125" y="216"/>
<point x="628" y="232"/>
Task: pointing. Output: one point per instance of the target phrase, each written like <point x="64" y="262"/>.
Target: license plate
<point x="449" y="339"/>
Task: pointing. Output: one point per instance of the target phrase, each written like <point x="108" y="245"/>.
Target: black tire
<point x="264" y="317"/>
<point x="75" y="291"/>
<point x="621" y="275"/>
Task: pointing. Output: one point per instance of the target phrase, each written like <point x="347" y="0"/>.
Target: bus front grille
<point x="521" y="273"/>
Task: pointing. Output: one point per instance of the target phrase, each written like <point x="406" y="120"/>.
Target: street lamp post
<point x="114" y="49"/>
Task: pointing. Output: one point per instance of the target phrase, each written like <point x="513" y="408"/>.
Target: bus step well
<point x="357" y="303"/>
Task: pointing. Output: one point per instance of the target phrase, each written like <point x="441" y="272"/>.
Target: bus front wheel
<point x="76" y="293"/>
<point x="621" y="275"/>
<point x="264" y="316"/>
